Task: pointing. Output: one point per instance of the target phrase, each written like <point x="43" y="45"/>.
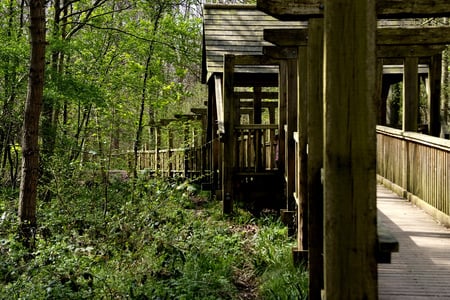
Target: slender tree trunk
<point x="30" y="147"/>
<point x="137" y="142"/>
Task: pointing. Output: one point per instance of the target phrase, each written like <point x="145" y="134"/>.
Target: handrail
<point x="417" y="166"/>
<point x="415" y="137"/>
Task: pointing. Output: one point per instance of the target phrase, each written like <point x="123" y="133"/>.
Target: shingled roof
<point x="236" y="29"/>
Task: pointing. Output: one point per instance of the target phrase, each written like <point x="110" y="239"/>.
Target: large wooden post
<point x="315" y="156"/>
<point x="229" y="114"/>
<point x="291" y="122"/>
<point x="410" y="94"/>
<point x="282" y="103"/>
<point x="435" y="94"/>
<point x="301" y="176"/>
<point x="350" y="150"/>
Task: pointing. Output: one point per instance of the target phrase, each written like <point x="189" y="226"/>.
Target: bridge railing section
<point x="184" y="162"/>
<point x="257" y="147"/>
<point x="418" y="165"/>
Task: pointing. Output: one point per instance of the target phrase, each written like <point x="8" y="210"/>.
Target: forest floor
<point x="150" y="239"/>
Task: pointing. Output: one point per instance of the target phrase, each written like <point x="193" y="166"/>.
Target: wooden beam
<point x="387" y="9"/>
<point x="385" y="36"/>
<point x="280" y="52"/>
<point x="187" y="117"/>
<point x="287" y="36"/>
<point x="256" y="79"/>
<point x="350" y="212"/>
<point x="264" y="104"/>
<point x="395" y="51"/>
<point x="414" y="36"/>
<point x="258" y="60"/>
<point x="289" y="10"/>
<point x="250" y="95"/>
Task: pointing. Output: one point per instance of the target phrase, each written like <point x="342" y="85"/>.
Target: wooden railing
<point x="186" y="162"/>
<point x="168" y="162"/>
<point x="256" y="148"/>
<point x="419" y="165"/>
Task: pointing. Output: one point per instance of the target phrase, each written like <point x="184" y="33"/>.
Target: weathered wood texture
<point x="411" y="94"/>
<point x="229" y="141"/>
<point x="428" y="159"/>
<point x="300" y="137"/>
<point x="314" y="107"/>
<point x="413" y="36"/>
<point x="238" y="30"/>
<point x="421" y="268"/>
<point x="350" y="150"/>
<point x="305" y="9"/>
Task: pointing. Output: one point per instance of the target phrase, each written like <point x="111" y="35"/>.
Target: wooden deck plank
<point x="421" y="268"/>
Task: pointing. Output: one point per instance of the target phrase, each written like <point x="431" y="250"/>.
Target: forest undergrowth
<point x="147" y="239"/>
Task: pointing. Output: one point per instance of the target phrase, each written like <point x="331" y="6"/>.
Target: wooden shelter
<point x="246" y="107"/>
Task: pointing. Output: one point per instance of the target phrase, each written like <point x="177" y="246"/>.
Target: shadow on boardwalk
<point x="421" y="269"/>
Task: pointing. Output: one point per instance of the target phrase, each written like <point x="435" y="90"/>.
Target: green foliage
<point x="156" y="240"/>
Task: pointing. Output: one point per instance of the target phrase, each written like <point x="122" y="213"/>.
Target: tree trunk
<point x="30" y="147"/>
<point x="147" y="75"/>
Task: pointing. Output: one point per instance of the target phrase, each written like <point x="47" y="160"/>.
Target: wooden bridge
<point x="285" y="130"/>
<point x="421" y="267"/>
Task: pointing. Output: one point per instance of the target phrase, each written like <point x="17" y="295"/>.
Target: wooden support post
<point x="216" y="162"/>
<point x="282" y="103"/>
<point x="315" y="156"/>
<point x="411" y="94"/>
<point x="291" y="122"/>
<point x="257" y="119"/>
<point x="302" y="127"/>
<point x="381" y="94"/>
<point x="350" y="150"/>
<point x="435" y="95"/>
<point x="229" y="140"/>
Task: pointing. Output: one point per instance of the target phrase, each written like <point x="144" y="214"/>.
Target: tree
<point x="30" y="137"/>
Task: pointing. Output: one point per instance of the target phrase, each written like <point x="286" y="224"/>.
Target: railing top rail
<point x="256" y="126"/>
<point x="415" y="137"/>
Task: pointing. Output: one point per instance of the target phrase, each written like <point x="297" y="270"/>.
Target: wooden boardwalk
<point x="421" y="269"/>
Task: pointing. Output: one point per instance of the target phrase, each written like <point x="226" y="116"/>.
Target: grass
<point x="151" y="239"/>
